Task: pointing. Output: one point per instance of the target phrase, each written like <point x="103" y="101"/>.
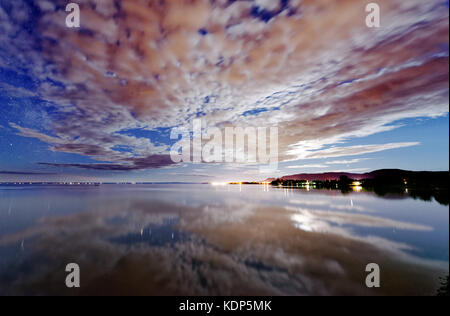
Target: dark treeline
<point x="420" y="185"/>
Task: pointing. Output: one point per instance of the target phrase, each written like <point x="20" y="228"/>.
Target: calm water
<point x="205" y="240"/>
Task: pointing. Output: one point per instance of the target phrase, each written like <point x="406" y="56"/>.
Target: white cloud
<point x="354" y="150"/>
<point x="310" y="166"/>
<point x="346" y="162"/>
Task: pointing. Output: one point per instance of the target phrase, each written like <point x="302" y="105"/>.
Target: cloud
<point x="354" y="150"/>
<point x="15" y="92"/>
<point x="129" y="164"/>
<point x="346" y="162"/>
<point x="191" y="175"/>
<point x="25" y="173"/>
<point x="312" y="166"/>
<point x="322" y="75"/>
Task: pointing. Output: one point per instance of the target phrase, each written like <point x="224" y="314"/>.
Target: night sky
<point x="98" y="103"/>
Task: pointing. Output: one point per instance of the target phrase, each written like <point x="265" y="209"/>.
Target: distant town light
<point x="216" y="184"/>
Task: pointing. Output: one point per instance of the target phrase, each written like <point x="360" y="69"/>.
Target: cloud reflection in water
<point x="148" y="244"/>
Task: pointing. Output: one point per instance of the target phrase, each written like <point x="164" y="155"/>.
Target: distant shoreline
<point x="79" y="184"/>
<point x="390" y="174"/>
